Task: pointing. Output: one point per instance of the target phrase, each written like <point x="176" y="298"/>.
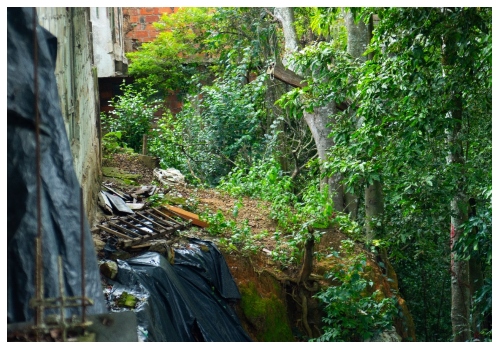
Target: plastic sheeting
<point x="188" y="301"/>
<point x="60" y="199"/>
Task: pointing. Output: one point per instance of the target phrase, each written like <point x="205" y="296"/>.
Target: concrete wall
<point x="76" y="78"/>
<point x="107" y="28"/>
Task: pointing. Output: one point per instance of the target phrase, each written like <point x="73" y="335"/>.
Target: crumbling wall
<point x="76" y="78"/>
<point x="107" y="33"/>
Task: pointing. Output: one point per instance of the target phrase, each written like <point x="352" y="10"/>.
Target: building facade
<point x="76" y="76"/>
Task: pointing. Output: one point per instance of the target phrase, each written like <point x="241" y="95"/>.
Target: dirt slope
<point x="271" y="308"/>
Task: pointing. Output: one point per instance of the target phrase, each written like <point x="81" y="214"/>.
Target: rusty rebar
<point x="82" y="231"/>
<point x="39" y="258"/>
<point x="62" y="321"/>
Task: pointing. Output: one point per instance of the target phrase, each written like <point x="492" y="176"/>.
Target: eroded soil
<point x="203" y="200"/>
<point x="256" y="271"/>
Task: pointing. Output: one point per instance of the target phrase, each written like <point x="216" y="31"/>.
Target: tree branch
<point x="291" y="78"/>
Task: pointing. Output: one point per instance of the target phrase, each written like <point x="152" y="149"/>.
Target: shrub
<point x="352" y="314"/>
<point x="132" y="115"/>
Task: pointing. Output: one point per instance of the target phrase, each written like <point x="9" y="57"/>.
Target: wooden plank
<point x="122" y="195"/>
<point x="167" y="217"/>
<point x="289" y="77"/>
<point x="141" y="246"/>
<point x="195" y="219"/>
<point x="147" y="233"/>
<point x="127" y="240"/>
<point x="126" y="230"/>
<point x="143" y="224"/>
<point x="160" y="230"/>
<point x="171" y="214"/>
<point x="119" y="204"/>
<point x="168" y="225"/>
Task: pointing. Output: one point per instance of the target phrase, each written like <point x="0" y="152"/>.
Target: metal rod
<point x="39" y="291"/>
<point x="62" y="299"/>
<point x="82" y="231"/>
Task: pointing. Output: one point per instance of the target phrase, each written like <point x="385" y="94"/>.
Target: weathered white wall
<point x="107" y="24"/>
<point x="76" y="78"/>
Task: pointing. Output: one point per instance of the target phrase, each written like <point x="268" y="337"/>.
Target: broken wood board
<point x="166" y="216"/>
<point x="119" y="204"/>
<point x="140" y="227"/>
<point x="104" y="202"/>
<point x="126" y="240"/>
<point x="195" y="219"/>
<point x="124" y="196"/>
<point x="135" y="206"/>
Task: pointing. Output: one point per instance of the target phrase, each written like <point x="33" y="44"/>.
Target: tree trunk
<point x="318" y="124"/>
<point x="286" y="17"/>
<point x="475" y="276"/>
<point x="318" y="120"/>
<point x="351" y="204"/>
<point x="477" y="282"/>
<point x="358" y="37"/>
<point x="460" y="289"/>
<point x="374" y="210"/>
<point x="460" y="286"/>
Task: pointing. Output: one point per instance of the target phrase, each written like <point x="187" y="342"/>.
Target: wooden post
<point x="144" y="144"/>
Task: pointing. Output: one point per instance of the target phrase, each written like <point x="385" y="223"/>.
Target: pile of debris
<point x="112" y="200"/>
<point x="132" y="224"/>
<point x="175" y="285"/>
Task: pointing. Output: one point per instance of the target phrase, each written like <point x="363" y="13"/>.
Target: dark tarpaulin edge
<point x="181" y="302"/>
<point x="60" y="200"/>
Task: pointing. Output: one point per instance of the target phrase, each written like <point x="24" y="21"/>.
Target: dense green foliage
<point x="405" y="95"/>
<point x="132" y="115"/>
<point x="214" y="132"/>
<point x="171" y="59"/>
<point x="243" y="131"/>
<point x="295" y="213"/>
<point x="352" y="314"/>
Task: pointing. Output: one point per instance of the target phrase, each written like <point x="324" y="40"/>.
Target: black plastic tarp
<point x="187" y="301"/>
<point x="60" y="190"/>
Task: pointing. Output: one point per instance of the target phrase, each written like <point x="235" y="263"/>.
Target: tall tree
<point x="318" y="119"/>
<point x="359" y="35"/>
<point x="429" y="85"/>
<point x="460" y="285"/>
